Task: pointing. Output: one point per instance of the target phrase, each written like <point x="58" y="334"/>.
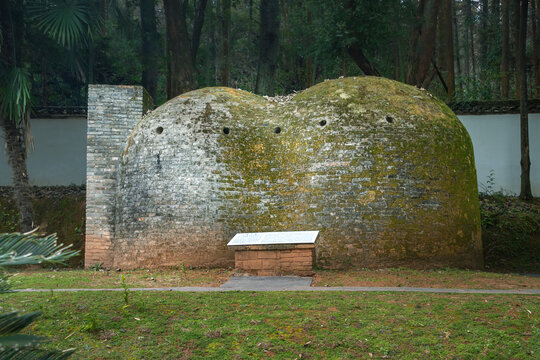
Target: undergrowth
<point x="510" y="232"/>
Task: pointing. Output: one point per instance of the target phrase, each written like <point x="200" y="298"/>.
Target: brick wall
<point x="113" y="111"/>
<point x="296" y="260"/>
<point x="383" y="170"/>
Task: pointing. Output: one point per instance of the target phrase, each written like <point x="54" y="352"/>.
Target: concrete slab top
<point x="274" y="238"/>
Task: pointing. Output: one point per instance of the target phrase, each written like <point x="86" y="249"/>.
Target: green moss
<point x="383" y="169"/>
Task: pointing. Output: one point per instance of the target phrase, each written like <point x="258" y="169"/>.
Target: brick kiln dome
<point x="384" y="170"/>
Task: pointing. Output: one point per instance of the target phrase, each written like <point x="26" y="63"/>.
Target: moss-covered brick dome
<point x="384" y="170"/>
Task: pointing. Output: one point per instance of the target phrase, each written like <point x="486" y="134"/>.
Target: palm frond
<point x="5" y="285"/>
<point x="16" y="100"/>
<point x="23" y="249"/>
<point x="22" y="346"/>
<point x="65" y="21"/>
<point x="12" y="322"/>
<point x="34" y="354"/>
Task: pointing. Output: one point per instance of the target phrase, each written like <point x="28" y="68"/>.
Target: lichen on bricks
<point x="383" y="170"/>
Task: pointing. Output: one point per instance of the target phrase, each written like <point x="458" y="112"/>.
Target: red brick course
<point x="255" y="260"/>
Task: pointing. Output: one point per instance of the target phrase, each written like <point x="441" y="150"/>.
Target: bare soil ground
<point x="442" y="278"/>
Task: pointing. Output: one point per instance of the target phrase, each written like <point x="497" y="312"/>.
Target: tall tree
<point x="268" y="47"/>
<point x="15" y="105"/>
<point x="505" y="56"/>
<point x="456" y="43"/>
<point x="150" y="47"/>
<point x="515" y="23"/>
<point x="225" y="63"/>
<point x="355" y="48"/>
<point x="525" y="193"/>
<point x="66" y="22"/>
<point x="469" y="23"/>
<point x="181" y="48"/>
<point x="483" y="34"/>
<point x="536" y="46"/>
<point x="422" y="42"/>
<point x="449" y="47"/>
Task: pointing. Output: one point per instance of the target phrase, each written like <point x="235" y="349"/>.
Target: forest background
<point x="458" y="49"/>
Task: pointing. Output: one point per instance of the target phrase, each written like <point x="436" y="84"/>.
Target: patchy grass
<point x="292" y="325"/>
<point x="69" y="279"/>
<point x="440" y="278"/>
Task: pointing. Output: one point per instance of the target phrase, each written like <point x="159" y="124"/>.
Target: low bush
<point x="510" y="233"/>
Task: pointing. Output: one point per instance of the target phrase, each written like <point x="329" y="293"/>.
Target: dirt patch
<point x="425" y="278"/>
<point x="65" y="279"/>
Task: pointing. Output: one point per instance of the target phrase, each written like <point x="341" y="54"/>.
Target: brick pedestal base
<point x="275" y="260"/>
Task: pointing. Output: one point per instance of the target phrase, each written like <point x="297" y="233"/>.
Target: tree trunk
<point x="505" y="59"/>
<point x="15" y="130"/>
<point x="268" y="47"/>
<point x="449" y="48"/>
<point x="536" y="47"/>
<point x="456" y="43"/>
<point x="495" y="40"/>
<point x="396" y="61"/>
<point x="309" y="58"/>
<point x="466" y="42"/>
<point x="16" y="153"/>
<point x="484" y="31"/>
<point x="470" y="29"/>
<point x="525" y="193"/>
<point x="180" y="67"/>
<point x="150" y="47"/>
<point x="515" y="38"/>
<point x="224" y="72"/>
<point x="355" y="51"/>
<point x="197" y="28"/>
<point x="422" y="42"/>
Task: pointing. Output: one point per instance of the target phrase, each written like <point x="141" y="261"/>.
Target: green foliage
<point x="96" y="267"/>
<point x="63" y="215"/>
<point x="125" y="293"/>
<point x="15" y="94"/>
<point x="65" y="21"/>
<point x="510" y="232"/>
<point x="14" y="345"/>
<point x="90" y="323"/>
<point x="9" y="217"/>
<point x="26" y="249"/>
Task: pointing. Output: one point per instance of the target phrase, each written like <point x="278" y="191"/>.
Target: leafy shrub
<point x="25" y="249"/>
<point x="510" y="232"/>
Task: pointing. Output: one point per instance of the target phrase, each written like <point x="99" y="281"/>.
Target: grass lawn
<point x="449" y="278"/>
<point x="285" y="325"/>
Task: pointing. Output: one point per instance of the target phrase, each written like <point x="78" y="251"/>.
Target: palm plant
<point x="68" y="22"/>
<point x="26" y="249"/>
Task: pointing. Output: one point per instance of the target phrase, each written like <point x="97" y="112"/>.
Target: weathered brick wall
<point x="383" y="170"/>
<point x="113" y="111"/>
